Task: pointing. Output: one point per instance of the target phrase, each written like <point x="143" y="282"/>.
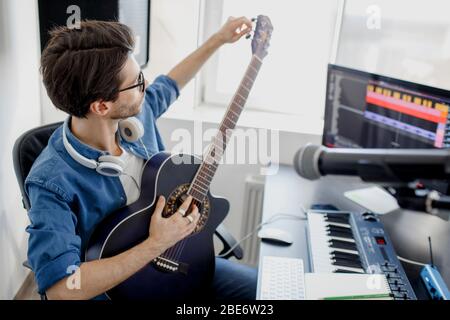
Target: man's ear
<point x="100" y="108"/>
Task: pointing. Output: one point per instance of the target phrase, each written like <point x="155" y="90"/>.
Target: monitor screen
<point x="365" y="110"/>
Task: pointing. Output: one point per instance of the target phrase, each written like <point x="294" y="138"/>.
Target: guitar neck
<point x="202" y="180"/>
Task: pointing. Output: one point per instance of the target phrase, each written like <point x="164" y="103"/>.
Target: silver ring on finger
<point x="182" y="211"/>
<point x="190" y="219"/>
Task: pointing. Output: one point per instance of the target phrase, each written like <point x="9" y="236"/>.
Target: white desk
<point x="286" y="192"/>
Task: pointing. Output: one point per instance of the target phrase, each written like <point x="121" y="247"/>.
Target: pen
<point x="356" y="297"/>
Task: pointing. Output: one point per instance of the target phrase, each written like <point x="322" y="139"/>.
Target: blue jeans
<point x="234" y="281"/>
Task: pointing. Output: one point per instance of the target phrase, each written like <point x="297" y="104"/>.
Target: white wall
<point x="19" y="111"/>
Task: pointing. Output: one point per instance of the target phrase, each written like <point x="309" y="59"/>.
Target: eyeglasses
<point x="141" y="83"/>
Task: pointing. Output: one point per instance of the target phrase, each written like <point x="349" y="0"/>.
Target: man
<point x="92" y="75"/>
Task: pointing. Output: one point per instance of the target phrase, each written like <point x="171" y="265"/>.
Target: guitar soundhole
<point x="177" y="197"/>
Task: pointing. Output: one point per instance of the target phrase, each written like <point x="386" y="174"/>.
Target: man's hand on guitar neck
<point x="231" y="31"/>
<point x="99" y="276"/>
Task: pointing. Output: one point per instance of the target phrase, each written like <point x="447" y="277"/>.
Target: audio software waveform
<point x="412" y="113"/>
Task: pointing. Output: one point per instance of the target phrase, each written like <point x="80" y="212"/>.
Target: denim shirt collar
<point x="82" y="148"/>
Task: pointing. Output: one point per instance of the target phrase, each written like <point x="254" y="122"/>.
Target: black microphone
<point x="373" y="165"/>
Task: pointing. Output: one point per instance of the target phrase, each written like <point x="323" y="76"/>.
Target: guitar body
<point x="167" y="175"/>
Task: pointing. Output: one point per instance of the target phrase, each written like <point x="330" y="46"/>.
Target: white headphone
<point x="130" y="129"/>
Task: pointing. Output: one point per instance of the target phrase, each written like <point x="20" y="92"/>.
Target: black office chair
<point x="30" y="144"/>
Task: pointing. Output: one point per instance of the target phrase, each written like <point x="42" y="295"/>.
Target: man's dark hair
<point x="80" y="66"/>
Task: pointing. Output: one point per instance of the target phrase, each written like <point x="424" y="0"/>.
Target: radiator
<point x="252" y="215"/>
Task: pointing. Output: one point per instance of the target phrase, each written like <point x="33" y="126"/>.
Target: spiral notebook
<point x="346" y="286"/>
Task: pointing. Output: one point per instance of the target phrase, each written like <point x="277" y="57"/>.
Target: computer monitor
<point x="366" y="110"/>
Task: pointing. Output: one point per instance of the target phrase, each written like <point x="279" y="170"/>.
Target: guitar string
<point x="184" y="241"/>
<point x="175" y="251"/>
<point x="175" y="255"/>
<point x="180" y="247"/>
<point x="171" y="252"/>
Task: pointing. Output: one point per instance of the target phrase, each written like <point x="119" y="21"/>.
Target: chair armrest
<point x="228" y="241"/>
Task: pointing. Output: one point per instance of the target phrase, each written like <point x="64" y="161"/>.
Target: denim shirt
<point x="68" y="200"/>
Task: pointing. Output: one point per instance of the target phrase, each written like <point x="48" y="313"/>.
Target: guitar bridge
<point x="166" y="265"/>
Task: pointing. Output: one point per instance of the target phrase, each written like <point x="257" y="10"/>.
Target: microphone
<point x="373" y="165"/>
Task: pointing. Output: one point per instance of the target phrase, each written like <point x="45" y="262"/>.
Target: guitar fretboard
<point x="202" y="180"/>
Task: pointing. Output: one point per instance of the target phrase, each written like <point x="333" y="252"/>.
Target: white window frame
<point x="211" y="13"/>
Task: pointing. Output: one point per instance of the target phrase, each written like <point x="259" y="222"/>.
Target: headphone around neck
<point x="130" y="129"/>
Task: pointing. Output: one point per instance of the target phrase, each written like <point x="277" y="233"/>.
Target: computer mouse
<point x="276" y="236"/>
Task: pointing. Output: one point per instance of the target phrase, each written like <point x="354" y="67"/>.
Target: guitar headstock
<point x="261" y="37"/>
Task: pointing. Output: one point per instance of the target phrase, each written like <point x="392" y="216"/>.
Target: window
<point x="292" y="80"/>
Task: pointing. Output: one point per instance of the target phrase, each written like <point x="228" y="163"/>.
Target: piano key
<point x="347" y="256"/>
<point x="350" y="269"/>
<point x="324" y="259"/>
<point x="341" y="239"/>
<point x="347" y="270"/>
<point x="345" y="263"/>
<point x="338" y="215"/>
<point x="336" y="220"/>
<point x="344" y="250"/>
<point x="338" y="224"/>
<point x="339" y="234"/>
<point x="342" y="245"/>
<point x="329" y="267"/>
<point x="343" y="271"/>
<point x="339" y="229"/>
